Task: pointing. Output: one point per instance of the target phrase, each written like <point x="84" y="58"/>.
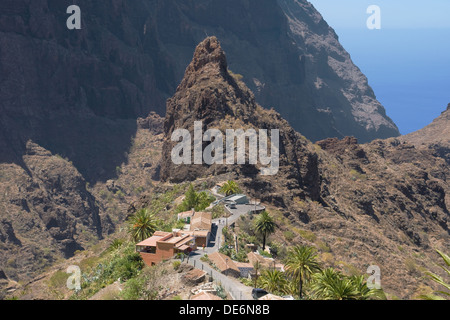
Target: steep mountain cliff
<point x="46" y="213"/>
<point x="67" y="89"/>
<point x="383" y="203"/>
<point x="209" y="93"/>
<point x="69" y="100"/>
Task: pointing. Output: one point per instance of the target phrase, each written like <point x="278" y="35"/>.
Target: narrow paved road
<point x="233" y="286"/>
<point x="238" y="290"/>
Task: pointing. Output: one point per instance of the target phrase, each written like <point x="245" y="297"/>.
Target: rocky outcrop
<point x="374" y="203"/>
<point x="73" y="91"/>
<point x="47" y="213"/>
<point x="435" y="136"/>
<point x="153" y="122"/>
<point x="210" y="94"/>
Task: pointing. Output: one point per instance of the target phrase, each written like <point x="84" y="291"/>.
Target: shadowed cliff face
<point x="47" y="213"/>
<point x="59" y="86"/>
<point x="77" y="94"/>
<point x="210" y="94"/>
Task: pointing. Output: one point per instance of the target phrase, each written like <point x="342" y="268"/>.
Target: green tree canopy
<point x="300" y="264"/>
<point x="141" y="225"/>
<point x="193" y="200"/>
<point x="264" y="225"/>
<point x="333" y="285"/>
<point x="273" y="281"/>
<point x="230" y="188"/>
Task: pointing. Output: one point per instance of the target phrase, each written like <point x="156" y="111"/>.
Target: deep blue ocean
<point x="409" y="70"/>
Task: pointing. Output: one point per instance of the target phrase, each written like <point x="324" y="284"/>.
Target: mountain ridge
<point x="384" y="203"/>
<point x="435" y="136"/>
<point x="376" y="197"/>
<point x="129" y="58"/>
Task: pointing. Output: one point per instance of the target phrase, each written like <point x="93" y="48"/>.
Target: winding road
<point x="238" y="290"/>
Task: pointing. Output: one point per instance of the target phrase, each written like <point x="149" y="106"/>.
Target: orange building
<point x="224" y="264"/>
<point x="165" y="245"/>
<point x="200" y="227"/>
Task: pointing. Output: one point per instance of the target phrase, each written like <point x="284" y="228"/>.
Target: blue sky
<point x="407" y="61"/>
<point x="408" y="14"/>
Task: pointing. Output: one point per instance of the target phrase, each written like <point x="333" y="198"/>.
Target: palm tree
<point x="264" y="225"/>
<point x="439" y="279"/>
<point x="363" y="291"/>
<point x="273" y="281"/>
<point x="301" y="263"/>
<point x="141" y="225"/>
<point x="332" y="285"/>
<point x="291" y="287"/>
<point x="230" y="187"/>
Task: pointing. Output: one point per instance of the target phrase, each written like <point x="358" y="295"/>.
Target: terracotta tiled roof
<point x="166" y="237"/>
<point x="201" y="221"/>
<point x="183" y="241"/>
<point x="243" y="265"/>
<point x="198" y="233"/>
<point x="253" y="257"/>
<point x="220" y="262"/>
<point x="265" y="262"/>
<point x="157" y="236"/>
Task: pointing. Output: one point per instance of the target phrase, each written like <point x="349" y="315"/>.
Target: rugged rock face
<point x="435" y="136"/>
<point x="338" y="101"/>
<point x="79" y="93"/>
<point x="376" y="203"/>
<point x="47" y="213"/>
<point x="209" y="93"/>
<point x="72" y="91"/>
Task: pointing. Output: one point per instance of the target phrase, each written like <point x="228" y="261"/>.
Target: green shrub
<point x="119" y="194"/>
<point x="218" y="211"/>
<point x="88" y="263"/>
<point x="411" y="266"/>
<point x="116" y="244"/>
<point x="193" y="200"/>
<point x="307" y="235"/>
<point x="134" y="289"/>
<point x="241" y="256"/>
<point x="176" y="264"/>
<point x="220" y="292"/>
<point x="236" y="76"/>
<point x="323" y="246"/>
<point x="58" y="279"/>
<point x="289" y="235"/>
<point x="265" y="254"/>
<point x="355" y="175"/>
